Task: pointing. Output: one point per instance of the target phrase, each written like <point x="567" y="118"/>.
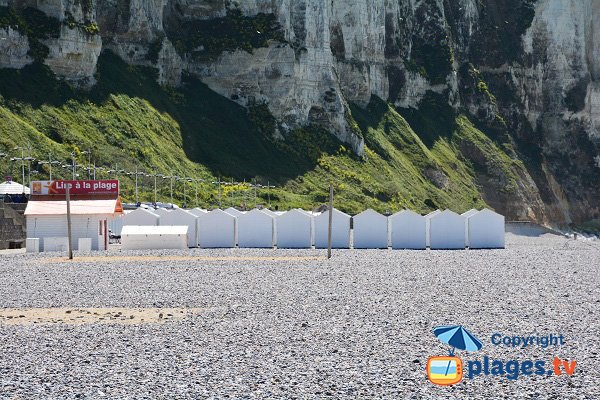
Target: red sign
<point x="76" y="187"/>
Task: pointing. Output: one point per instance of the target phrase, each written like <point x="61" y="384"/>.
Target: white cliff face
<point x="332" y="53"/>
<point x="14" y="47"/>
<point x="74" y="55"/>
<point x="558" y="40"/>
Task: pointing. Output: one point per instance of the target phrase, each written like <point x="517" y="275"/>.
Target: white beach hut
<point x="340" y="231"/>
<point x="183" y="217"/>
<point x="234" y="211"/>
<point x="198" y="211"/>
<point x="428" y="224"/>
<point x="294" y="230"/>
<point x="269" y="212"/>
<point x="467" y="214"/>
<point x="46" y="221"/>
<point x="12" y="187"/>
<point x="217" y="229"/>
<point x="135" y="237"/>
<point x="256" y="229"/>
<point x="408" y="230"/>
<point x="370" y="230"/>
<point x="486" y="230"/>
<point x="141" y="217"/>
<point x="447" y="230"/>
<point x="161" y="211"/>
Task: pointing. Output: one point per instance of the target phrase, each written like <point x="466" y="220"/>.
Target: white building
<point x="295" y="230"/>
<point x="428" y="225"/>
<point x="486" y="230"/>
<point x="115" y="225"/>
<point x="370" y="230"/>
<point x="161" y="211"/>
<point x="256" y="229"/>
<point x="141" y="216"/>
<point x="135" y="237"/>
<point x="234" y="211"/>
<point x="12" y="187"/>
<point x="447" y="230"/>
<point x="89" y="219"/>
<point x="408" y="230"/>
<point x="198" y="211"/>
<point x="467" y="214"/>
<point x="217" y="229"/>
<point x="340" y="232"/>
<point x="182" y="217"/>
<point x="269" y="212"/>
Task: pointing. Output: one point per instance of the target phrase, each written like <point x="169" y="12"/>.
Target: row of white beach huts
<point x="178" y="228"/>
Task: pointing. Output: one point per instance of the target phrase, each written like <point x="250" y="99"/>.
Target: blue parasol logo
<point x="457" y="337"/>
<point x="439" y="368"/>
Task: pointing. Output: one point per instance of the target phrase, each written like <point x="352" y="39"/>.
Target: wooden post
<point x="330" y="221"/>
<point x="69" y="222"/>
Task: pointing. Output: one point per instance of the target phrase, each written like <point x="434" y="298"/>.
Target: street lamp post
<point x="154" y="174"/>
<point x="255" y="200"/>
<point x="89" y="167"/>
<point x="172" y="191"/>
<point x="136" y="185"/>
<point x="269" y="193"/>
<point x="29" y="160"/>
<point x="22" y="165"/>
<point x="2" y="155"/>
<point x="184" y="180"/>
<point x="219" y="182"/>
<point x="74" y="164"/>
<point x="50" y="166"/>
<point x="197" y="180"/>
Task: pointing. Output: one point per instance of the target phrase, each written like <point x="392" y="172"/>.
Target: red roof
<point x="78" y="207"/>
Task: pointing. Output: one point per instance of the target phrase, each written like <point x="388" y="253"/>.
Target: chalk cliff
<point x="527" y="72"/>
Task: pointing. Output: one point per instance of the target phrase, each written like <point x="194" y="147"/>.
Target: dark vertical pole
<point x="330" y="221"/>
<point x="69" y="222"/>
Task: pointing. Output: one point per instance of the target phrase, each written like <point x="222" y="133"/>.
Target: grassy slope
<point x="130" y="121"/>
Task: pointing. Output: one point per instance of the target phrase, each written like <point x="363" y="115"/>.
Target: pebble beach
<point x="290" y="324"/>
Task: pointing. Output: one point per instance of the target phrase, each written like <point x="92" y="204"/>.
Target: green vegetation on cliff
<point x="129" y="121"/>
<point x="209" y="38"/>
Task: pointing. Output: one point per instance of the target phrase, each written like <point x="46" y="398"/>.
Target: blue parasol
<point x="457" y="337"/>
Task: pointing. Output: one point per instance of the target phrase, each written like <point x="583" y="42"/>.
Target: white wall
<point x="256" y="229"/>
<point x="447" y="231"/>
<point x="234" y="211"/>
<point x="408" y="230"/>
<point x="295" y="230"/>
<point x="467" y="214"/>
<point x="370" y="230"/>
<point x="428" y="225"/>
<point x="340" y="230"/>
<point x="198" y="211"/>
<point x="115" y="224"/>
<point x="160" y="211"/>
<point x="486" y="230"/>
<point x="134" y="237"/>
<point x="182" y="217"/>
<point x="141" y="217"/>
<point x="217" y="229"/>
<point x="82" y="226"/>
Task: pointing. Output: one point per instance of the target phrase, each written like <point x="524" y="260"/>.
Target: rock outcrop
<point x="527" y="71"/>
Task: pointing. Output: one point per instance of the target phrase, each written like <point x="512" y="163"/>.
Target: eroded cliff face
<point x="526" y="71"/>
